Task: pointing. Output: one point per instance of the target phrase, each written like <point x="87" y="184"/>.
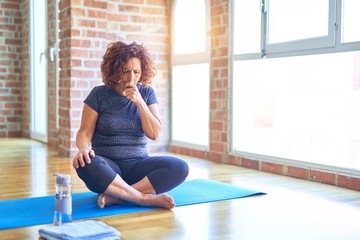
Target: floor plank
<point x="292" y="208"/>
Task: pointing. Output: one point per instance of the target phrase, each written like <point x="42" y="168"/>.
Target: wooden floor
<point x="292" y="208"/>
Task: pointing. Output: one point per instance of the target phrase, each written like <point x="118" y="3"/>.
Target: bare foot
<point x="107" y="200"/>
<point x="162" y="200"/>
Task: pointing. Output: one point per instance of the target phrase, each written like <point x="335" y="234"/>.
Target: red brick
<point x="14" y="134"/>
<point x="97" y="14"/>
<point x="134" y="1"/>
<point x="140" y="19"/>
<point x="78" y="12"/>
<point x="86" y="23"/>
<point x="297" y="172"/>
<point x="82" y="74"/>
<point x="79" y="53"/>
<point x="217" y="10"/>
<point x="215" y="157"/>
<point x="349" y="182"/>
<point x="74" y="63"/>
<point x="199" y="154"/>
<point x="7" y="5"/>
<point x="92" y="64"/>
<point x="248" y="163"/>
<point x="95" y="4"/>
<point x="157" y="2"/>
<point x="323" y="177"/>
<point x="216" y="125"/>
<point x="220" y="62"/>
<point x="272" y="167"/>
<point x="215" y="136"/>
<point x="217" y="147"/>
<point x="216" y="31"/>
<point x="130" y="28"/>
<point x="153" y="11"/>
<point x="234" y="160"/>
<point x="117" y="17"/>
<point x="219" y="115"/>
<point x="180" y="150"/>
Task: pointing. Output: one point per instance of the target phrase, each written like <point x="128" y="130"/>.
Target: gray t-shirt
<point x="118" y="133"/>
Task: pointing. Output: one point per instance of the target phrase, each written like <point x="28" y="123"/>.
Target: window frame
<point x="303" y="44"/>
<point x="330" y="44"/>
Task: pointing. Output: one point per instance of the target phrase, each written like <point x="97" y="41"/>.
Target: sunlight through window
<point x="302" y="108"/>
<point x="189" y="27"/>
<point x="190" y="74"/>
<point x="351" y="20"/>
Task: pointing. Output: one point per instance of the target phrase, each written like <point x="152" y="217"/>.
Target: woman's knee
<point x="181" y="167"/>
<point x="97" y="175"/>
<point x="88" y="169"/>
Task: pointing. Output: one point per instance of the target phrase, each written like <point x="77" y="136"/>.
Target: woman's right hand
<point x="82" y="157"/>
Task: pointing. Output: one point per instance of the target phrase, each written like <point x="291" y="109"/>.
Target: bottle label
<point x="63" y="205"/>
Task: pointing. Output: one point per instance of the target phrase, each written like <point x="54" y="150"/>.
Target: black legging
<point x="163" y="172"/>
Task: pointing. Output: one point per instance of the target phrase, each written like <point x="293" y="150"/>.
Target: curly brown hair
<point x="117" y="55"/>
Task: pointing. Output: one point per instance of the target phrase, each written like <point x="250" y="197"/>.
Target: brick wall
<point x="10" y="69"/>
<point x="86" y="28"/>
<point x="25" y="69"/>
<point x="219" y="83"/>
<point x="52" y="74"/>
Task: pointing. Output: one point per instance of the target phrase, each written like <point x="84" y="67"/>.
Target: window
<point x="189" y="27"/>
<point x="297" y="27"/>
<point x="248" y="22"/>
<point x="350" y="20"/>
<point x="296" y="91"/>
<point x="288" y="29"/>
<point x="190" y="73"/>
<point x="302" y="108"/>
<point x="286" y="22"/>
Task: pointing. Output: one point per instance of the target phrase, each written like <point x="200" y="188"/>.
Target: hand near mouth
<point x="132" y="93"/>
<point x="128" y="89"/>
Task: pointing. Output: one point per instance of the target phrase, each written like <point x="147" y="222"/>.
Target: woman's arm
<point x="84" y="135"/>
<point x="149" y="115"/>
<point x="150" y="120"/>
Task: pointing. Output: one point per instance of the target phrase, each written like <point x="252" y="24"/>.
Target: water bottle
<point x="63" y="199"/>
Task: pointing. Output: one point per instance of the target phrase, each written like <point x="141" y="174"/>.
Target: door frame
<point x="38" y="88"/>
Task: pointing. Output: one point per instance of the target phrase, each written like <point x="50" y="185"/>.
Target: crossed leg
<point x="141" y="193"/>
<point x="114" y="190"/>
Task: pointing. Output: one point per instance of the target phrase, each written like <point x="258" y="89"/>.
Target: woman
<point x="117" y="119"/>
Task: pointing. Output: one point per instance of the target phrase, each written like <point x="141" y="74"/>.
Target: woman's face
<point x="132" y="73"/>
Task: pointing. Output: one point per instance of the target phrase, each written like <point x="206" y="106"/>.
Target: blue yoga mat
<point x="40" y="210"/>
